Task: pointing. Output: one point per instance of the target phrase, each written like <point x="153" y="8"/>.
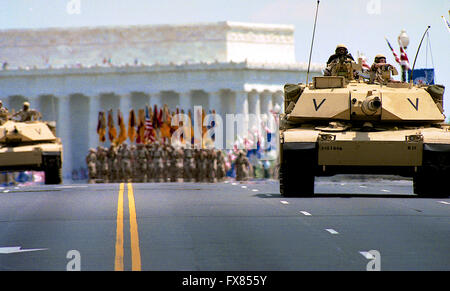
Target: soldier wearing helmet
<point x="380" y="70"/>
<point x="27" y="114"/>
<point x="4" y="114"/>
<point x="341" y="54"/>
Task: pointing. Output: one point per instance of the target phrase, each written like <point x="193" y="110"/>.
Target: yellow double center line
<point x="134" y="235"/>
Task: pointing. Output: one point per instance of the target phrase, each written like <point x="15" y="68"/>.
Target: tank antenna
<point x="417" y="53"/>
<point x="312" y="43"/>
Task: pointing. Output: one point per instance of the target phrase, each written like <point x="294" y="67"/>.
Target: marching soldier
<point x="211" y="165"/>
<point x="91" y="162"/>
<point x="141" y="163"/>
<point x="243" y="167"/>
<point x="221" y="166"/>
<point x="188" y="166"/>
<point x="113" y="164"/>
<point x="102" y="165"/>
<point x="125" y="160"/>
<point x="158" y="165"/>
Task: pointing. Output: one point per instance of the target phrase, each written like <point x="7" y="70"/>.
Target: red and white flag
<point x="397" y="59"/>
<point x="404" y="59"/>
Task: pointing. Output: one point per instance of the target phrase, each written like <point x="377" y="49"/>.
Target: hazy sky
<point x="360" y="24"/>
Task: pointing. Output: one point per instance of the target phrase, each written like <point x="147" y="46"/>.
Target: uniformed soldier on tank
<point x="380" y="71"/>
<point x="27" y="114"/>
<point x="341" y="55"/>
<point x="91" y="162"/>
<point x="4" y="114"/>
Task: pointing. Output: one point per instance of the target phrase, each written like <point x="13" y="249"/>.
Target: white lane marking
<point x="332" y="231"/>
<point x="244" y="187"/>
<point x="367" y="255"/>
<point x="234" y="184"/>
<point x="305" y="213"/>
<point x="12" y="250"/>
<point x="284" y="202"/>
<point x="69" y="187"/>
<point x="384" y="190"/>
<point x="255" y="190"/>
<point x="361" y="186"/>
<point x="342" y="184"/>
<point x="444" y="202"/>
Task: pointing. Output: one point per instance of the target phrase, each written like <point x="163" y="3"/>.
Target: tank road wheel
<point x="52" y="169"/>
<point x="431" y="179"/>
<point x="297" y="173"/>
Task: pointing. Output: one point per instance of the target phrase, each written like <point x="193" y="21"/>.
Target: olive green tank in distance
<point x="338" y="125"/>
<point x="31" y="145"/>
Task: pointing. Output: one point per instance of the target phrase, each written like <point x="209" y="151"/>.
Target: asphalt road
<point x="223" y="227"/>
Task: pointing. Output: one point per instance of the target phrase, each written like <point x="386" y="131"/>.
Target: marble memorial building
<point x="70" y="74"/>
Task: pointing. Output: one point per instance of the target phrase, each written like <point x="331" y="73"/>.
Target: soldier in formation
<point x="159" y="163"/>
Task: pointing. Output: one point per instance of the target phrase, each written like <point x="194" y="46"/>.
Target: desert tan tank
<point x="339" y="125"/>
<point x="31" y="145"/>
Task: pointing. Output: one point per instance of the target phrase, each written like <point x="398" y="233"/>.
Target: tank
<point x="339" y="125"/>
<point x="31" y="145"/>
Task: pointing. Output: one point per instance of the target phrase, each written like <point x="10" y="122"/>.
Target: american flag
<point x="404" y="58"/>
<point x="148" y="135"/>
<point x="397" y="59"/>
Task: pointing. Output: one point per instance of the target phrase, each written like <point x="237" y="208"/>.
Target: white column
<point x="214" y="100"/>
<point x="242" y="108"/>
<point x="63" y="131"/>
<point x="266" y="102"/>
<point x="185" y="101"/>
<point x="94" y="108"/>
<point x="254" y="110"/>
<point x="278" y="98"/>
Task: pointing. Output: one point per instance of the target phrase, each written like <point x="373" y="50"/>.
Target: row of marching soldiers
<point x="160" y="163"/>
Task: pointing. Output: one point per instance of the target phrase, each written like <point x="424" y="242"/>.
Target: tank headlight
<point x="327" y="137"/>
<point x="414" y="138"/>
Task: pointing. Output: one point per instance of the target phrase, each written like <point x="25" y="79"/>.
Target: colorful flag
<point x="393" y="52"/>
<point x="141" y="127"/>
<point x="122" y="130"/>
<point x="404" y="58"/>
<point x="112" y="132"/>
<point x="132" y="126"/>
<point x="149" y="135"/>
<point x="101" y="126"/>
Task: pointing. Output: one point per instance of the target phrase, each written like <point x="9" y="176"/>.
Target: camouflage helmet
<point x="341" y="46"/>
<point x="378" y="57"/>
<point x="26" y="104"/>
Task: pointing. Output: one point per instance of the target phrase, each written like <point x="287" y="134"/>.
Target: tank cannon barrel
<point x="371" y="104"/>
